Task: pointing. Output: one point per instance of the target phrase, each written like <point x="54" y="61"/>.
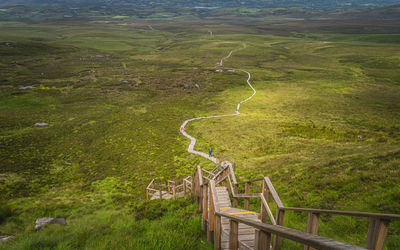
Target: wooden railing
<point x="205" y="195"/>
<point x="156" y="187"/>
<point x="264" y="231"/>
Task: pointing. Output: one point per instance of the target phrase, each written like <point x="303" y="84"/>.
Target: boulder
<point x="6" y="238"/>
<point x="27" y="87"/>
<point x="41" y="222"/>
<point x="41" y="124"/>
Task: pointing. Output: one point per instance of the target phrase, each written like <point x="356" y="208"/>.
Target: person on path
<point x="210" y="152"/>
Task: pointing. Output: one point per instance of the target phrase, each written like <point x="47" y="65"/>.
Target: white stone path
<point x="192" y="139"/>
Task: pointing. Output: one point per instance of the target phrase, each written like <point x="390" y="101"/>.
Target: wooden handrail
<point x="295" y="235"/>
<point x="221" y="180"/>
<point x="230" y="187"/>
<point x="233" y="175"/>
<point x="217" y="174"/>
<point x="214" y="194"/>
<point x="208" y="172"/>
<point x="273" y="192"/>
<point x="270" y="215"/>
<point x="200" y="175"/>
<point x="160" y="185"/>
<point x="256" y="195"/>
<point x="250" y="181"/>
<point x="205" y="190"/>
<point x="350" y="213"/>
<point x="151" y="183"/>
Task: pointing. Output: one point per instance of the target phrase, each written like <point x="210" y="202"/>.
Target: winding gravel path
<point x="192" y="139"/>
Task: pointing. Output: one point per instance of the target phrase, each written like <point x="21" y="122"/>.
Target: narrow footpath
<point x="192" y="139"/>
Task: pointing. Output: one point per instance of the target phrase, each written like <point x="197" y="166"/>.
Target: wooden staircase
<point x="231" y="227"/>
<point x="246" y="233"/>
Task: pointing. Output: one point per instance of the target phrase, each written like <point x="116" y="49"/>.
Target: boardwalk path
<point x="192" y="139"/>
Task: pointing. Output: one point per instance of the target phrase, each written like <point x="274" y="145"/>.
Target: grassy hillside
<point x="323" y="125"/>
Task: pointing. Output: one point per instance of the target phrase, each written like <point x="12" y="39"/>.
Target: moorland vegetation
<point x="324" y="125"/>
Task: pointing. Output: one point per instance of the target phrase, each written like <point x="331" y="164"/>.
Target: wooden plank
<point x="223" y="198"/>
<point x="262" y="240"/>
<point x="381" y="234"/>
<point x="213" y="191"/>
<point x="200" y="175"/>
<point x="184" y="187"/>
<point x="371" y="233"/>
<point x="151" y="183"/>
<point x="247" y="195"/>
<point x="241" y="213"/>
<point x="244" y="237"/>
<point x="243" y="231"/>
<point x="273" y="192"/>
<point x="254" y="180"/>
<point x="247" y="191"/>
<point x="213" y="204"/>
<point x="233" y="235"/>
<point x="241" y="226"/>
<point x="217" y="233"/>
<point x="211" y="211"/>
<point x="312" y="227"/>
<point x="248" y="243"/>
<point x="208" y="172"/>
<point x="230" y="187"/>
<point x="263" y="196"/>
<point x="205" y="206"/>
<point x="160" y="192"/>
<point x="350" y="213"/>
<point x="269" y="212"/>
<point x="236" y="191"/>
<point x="232" y="174"/>
<point x="279" y="221"/>
<point x="298" y="236"/>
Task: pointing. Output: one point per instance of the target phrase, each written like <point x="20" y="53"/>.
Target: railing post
<point x="160" y="189"/>
<point x="173" y="191"/>
<point x="210" y="216"/>
<point x="193" y="184"/>
<point x="264" y="193"/>
<point x="233" y="235"/>
<point x="201" y="198"/>
<point x="217" y="233"/>
<point x="184" y="188"/>
<point x="205" y="207"/>
<point x="167" y="185"/>
<point x="312" y="226"/>
<point x="247" y="191"/>
<point x="199" y="194"/>
<point x="377" y="232"/>
<point x="262" y="240"/>
<point x="279" y="221"/>
<point x="236" y="191"/>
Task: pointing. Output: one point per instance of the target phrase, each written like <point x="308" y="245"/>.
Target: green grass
<point x="175" y="226"/>
<point x="323" y="126"/>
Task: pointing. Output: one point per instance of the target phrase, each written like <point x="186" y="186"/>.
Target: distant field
<point x="324" y="125"/>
